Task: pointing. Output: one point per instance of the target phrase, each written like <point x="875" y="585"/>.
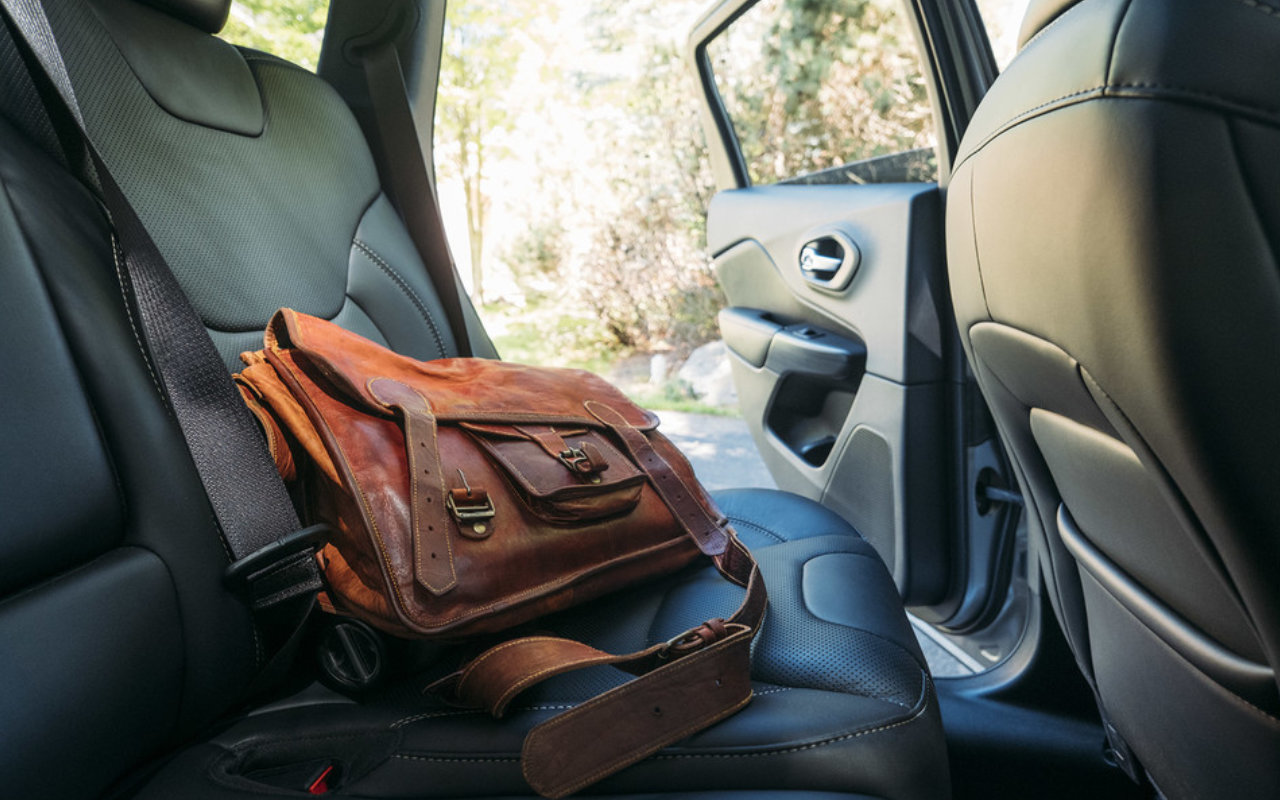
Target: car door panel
<point x="844" y="389"/>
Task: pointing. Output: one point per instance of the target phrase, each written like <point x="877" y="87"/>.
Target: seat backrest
<point x="251" y="174"/>
<point x="1112" y="224"/>
<point x="118" y="635"/>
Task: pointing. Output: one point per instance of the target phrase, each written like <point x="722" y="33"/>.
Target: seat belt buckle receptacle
<point x="243" y="571"/>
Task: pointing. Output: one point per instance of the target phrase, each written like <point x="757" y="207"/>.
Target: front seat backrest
<point x="1113" y="224"/>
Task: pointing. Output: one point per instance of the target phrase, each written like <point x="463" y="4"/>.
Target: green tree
<point x="814" y="84"/>
<point x="479" y="60"/>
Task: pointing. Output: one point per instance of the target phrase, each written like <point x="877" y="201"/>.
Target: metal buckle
<point x="470" y="512"/>
<point x="573" y="457"/>
<point x="243" y="570"/>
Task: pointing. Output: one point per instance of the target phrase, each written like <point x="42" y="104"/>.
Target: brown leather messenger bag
<point x="469" y="496"/>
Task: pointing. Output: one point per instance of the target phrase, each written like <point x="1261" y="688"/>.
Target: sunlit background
<point x="572" y="169"/>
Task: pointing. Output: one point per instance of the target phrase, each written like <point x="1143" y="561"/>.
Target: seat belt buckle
<point x="244" y="571"/>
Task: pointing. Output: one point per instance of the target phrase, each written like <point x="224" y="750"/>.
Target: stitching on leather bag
<point x="405" y="288"/>
<point x="373" y="524"/>
<point x="470" y="670"/>
<point x="477" y="611"/>
<point x="530" y="680"/>
<point x="413" y="486"/>
<point x="636" y="475"/>
<point x="612" y="696"/>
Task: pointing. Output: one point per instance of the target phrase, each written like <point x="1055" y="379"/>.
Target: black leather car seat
<point x="1112" y="227"/>
<point x="254" y="181"/>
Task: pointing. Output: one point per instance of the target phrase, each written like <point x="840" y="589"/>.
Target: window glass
<point x="1003" y="18"/>
<point x="290" y="29"/>
<point x="826" y="91"/>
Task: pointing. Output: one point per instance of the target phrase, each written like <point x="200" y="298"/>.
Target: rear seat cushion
<point x="843" y="699"/>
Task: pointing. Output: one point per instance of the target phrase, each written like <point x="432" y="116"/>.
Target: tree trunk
<point x="476" y="203"/>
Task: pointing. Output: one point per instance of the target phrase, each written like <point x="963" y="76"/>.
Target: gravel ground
<point x="720" y="448"/>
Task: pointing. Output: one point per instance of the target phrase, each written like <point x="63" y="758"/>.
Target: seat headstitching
<point x="1039" y="14"/>
<point x="207" y="15"/>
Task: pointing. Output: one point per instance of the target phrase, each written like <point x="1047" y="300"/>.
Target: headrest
<point x="207" y="15"/>
<point x="1039" y="14"/>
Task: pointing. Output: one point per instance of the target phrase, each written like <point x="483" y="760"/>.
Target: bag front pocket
<point x="562" y="474"/>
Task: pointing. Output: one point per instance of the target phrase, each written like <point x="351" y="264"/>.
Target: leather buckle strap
<point x="683" y="685"/>
<point x="264" y="570"/>
<point x="706" y="529"/>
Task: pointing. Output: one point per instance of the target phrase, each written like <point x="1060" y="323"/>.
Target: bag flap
<point x="543" y="474"/>
<point x="471" y="389"/>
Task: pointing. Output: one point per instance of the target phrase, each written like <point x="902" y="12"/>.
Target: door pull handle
<point x="829" y="261"/>
<point x="818" y="267"/>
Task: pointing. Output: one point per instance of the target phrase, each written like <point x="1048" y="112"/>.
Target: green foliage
<point x="609" y="242"/>
<point x="291" y="29"/>
<point x="550" y="332"/>
<point x="815" y="84"/>
<point x="672" y="400"/>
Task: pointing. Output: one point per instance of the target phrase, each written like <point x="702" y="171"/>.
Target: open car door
<point x="827" y="138"/>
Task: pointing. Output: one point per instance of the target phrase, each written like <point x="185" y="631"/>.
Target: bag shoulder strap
<point x="249" y="500"/>
<point x="403" y="170"/>
<point x="682" y="686"/>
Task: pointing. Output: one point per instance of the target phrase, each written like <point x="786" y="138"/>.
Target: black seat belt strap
<point x="271" y="555"/>
<point x="404" y="173"/>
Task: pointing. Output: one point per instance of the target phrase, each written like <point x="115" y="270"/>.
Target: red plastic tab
<point x="321" y="784"/>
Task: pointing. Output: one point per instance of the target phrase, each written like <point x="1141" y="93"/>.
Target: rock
<point x="658" y="367"/>
<point x="708" y="374"/>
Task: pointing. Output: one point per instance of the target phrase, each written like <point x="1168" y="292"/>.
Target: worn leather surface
<point x="1112" y="226"/>
<point x="400" y="560"/>
<point x="478" y="557"/>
